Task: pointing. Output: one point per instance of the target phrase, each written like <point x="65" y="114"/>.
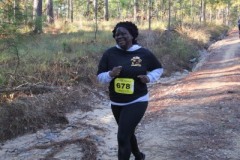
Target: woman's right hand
<point x="115" y="71"/>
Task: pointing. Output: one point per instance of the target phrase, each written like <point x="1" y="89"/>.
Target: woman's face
<point x="123" y="38"/>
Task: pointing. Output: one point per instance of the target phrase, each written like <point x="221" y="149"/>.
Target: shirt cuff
<point x="104" y="77"/>
<point x="155" y="74"/>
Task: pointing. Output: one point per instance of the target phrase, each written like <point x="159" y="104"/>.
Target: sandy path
<point x="198" y="117"/>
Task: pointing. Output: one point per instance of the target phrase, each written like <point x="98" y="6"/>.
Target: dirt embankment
<point x="195" y="118"/>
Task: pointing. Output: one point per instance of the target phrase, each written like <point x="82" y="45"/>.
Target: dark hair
<point x="131" y="27"/>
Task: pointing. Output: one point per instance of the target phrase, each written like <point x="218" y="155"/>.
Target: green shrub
<point x="182" y="49"/>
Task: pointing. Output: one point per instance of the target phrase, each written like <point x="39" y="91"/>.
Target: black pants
<point x="127" y="118"/>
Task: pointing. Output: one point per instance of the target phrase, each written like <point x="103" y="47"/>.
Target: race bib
<point x="124" y="85"/>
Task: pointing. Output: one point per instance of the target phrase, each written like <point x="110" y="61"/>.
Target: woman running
<point x="128" y="67"/>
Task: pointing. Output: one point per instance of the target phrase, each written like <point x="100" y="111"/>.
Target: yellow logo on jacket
<point x="136" y="61"/>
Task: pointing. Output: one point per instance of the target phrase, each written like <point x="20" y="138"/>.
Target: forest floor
<point x="194" y="117"/>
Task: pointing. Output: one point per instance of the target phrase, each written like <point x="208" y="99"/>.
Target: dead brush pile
<point x="28" y="113"/>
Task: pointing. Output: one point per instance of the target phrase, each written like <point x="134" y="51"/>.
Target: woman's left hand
<point x="144" y="78"/>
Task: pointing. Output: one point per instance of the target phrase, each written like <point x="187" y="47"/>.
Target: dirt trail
<point x="195" y="118"/>
<point x="198" y="118"/>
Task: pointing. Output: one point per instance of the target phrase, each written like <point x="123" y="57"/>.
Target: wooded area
<point x="16" y="13"/>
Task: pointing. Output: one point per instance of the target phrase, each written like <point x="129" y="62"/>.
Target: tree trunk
<point x="162" y="9"/>
<point x="169" y="15"/>
<point x="149" y="14"/>
<point x="136" y="8"/>
<point x="181" y="13"/>
<point x="191" y="11"/>
<point x="202" y="17"/>
<point x="96" y="17"/>
<point x="204" y="11"/>
<point x="38" y="16"/>
<point x="50" y="16"/>
<point x="106" y="14"/>
<point x="157" y="4"/>
<point x="87" y="10"/>
<point x="119" y="10"/>
<point x="25" y="12"/>
<point x="144" y="10"/>
<point x="17" y="12"/>
<point x="68" y="10"/>
<point x="71" y="9"/>
<point x="14" y="9"/>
